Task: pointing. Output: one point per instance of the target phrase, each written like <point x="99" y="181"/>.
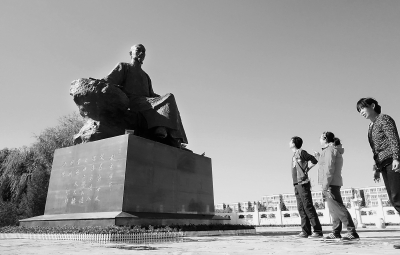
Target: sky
<point x="247" y="75"/>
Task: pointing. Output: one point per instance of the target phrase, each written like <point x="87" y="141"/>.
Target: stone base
<point x="120" y="219"/>
<point x="128" y="180"/>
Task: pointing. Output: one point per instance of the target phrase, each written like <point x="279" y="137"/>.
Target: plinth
<point x="128" y="180"/>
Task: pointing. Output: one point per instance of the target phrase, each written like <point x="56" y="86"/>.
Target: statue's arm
<point x="116" y="76"/>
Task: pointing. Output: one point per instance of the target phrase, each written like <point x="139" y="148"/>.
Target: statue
<point x="125" y="99"/>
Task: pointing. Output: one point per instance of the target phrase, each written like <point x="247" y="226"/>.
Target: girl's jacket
<point x="330" y="167"/>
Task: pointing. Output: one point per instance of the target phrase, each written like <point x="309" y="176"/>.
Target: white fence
<point x="101" y="238"/>
<point x="388" y="214"/>
<point x="136" y="238"/>
<point x="364" y="215"/>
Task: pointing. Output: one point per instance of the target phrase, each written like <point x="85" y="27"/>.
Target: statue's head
<point x="138" y="52"/>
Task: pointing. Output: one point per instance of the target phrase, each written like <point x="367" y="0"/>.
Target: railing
<point x="154" y="237"/>
<point x="370" y="215"/>
<point x="102" y="238"/>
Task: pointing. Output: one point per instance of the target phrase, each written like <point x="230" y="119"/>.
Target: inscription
<point x="85" y="178"/>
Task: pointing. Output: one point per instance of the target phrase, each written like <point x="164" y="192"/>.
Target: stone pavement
<point x="266" y="241"/>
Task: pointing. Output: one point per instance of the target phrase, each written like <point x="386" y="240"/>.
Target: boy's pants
<point x="306" y="209"/>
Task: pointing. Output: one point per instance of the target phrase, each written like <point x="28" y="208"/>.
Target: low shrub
<point x="205" y="227"/>
<point x="119" y="230"/>
<point x="85" y="230"/>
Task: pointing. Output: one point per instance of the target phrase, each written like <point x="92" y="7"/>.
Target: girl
<point x="330" y="177"/>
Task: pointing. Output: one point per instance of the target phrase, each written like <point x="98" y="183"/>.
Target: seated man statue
<point x="160" y="112"/>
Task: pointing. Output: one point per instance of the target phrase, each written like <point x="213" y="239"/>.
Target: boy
<point x="302" y="189"/>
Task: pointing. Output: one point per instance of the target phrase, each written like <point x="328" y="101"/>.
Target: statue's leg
<point x="161" y="132"/>
<point x="163" y="120"/>
<point x="169" y="140"/>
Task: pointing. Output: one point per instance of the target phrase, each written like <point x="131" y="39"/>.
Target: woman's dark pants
<point x="392" y="184"/>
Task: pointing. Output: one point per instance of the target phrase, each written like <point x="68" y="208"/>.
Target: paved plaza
<point x="266" y="241"/>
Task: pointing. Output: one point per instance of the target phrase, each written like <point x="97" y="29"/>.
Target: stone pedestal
<point x="128" y="180"/>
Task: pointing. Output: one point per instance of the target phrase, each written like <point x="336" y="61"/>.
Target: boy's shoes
<point x="332" y="236"/>
<point x="396" y="246"/>
<point x="351" y="237"/>
<point x="302" y="235"/>
<point x="316" y="235"/>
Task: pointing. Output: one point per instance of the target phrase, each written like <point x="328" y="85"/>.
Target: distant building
<point x="372" y="194"/>
<point x="317" y="197"/>
<point x="347" y="196"/>
<point x="219" y="206"/>
<point x="234" y="206"/>
<point x="290" y="201"/>
<point x="271" y="201"/>
<point x="245" y="206"/>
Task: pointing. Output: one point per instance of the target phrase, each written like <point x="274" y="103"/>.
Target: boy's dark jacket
<point x="300" y="166"/>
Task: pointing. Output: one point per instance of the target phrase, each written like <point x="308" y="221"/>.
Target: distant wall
<point x="368" y="216"/>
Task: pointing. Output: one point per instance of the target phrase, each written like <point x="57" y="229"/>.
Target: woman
<point x="330" y="177"/>
<point x="384" y="140"/>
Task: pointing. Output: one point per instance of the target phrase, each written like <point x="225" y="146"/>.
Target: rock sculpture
<point x="105" y="108"/>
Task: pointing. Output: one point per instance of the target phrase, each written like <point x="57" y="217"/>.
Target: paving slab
<point x="277" y="241"/>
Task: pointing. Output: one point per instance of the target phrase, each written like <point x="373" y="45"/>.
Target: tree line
<point x="25" y="171"/>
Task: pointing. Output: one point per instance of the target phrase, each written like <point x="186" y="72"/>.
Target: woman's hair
<point x="328" y="136"/>
<point x="367" y="102"/>
<point x="336" y="141"/>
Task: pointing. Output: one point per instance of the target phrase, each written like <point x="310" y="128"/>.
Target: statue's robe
<point x="157" y="110"/>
